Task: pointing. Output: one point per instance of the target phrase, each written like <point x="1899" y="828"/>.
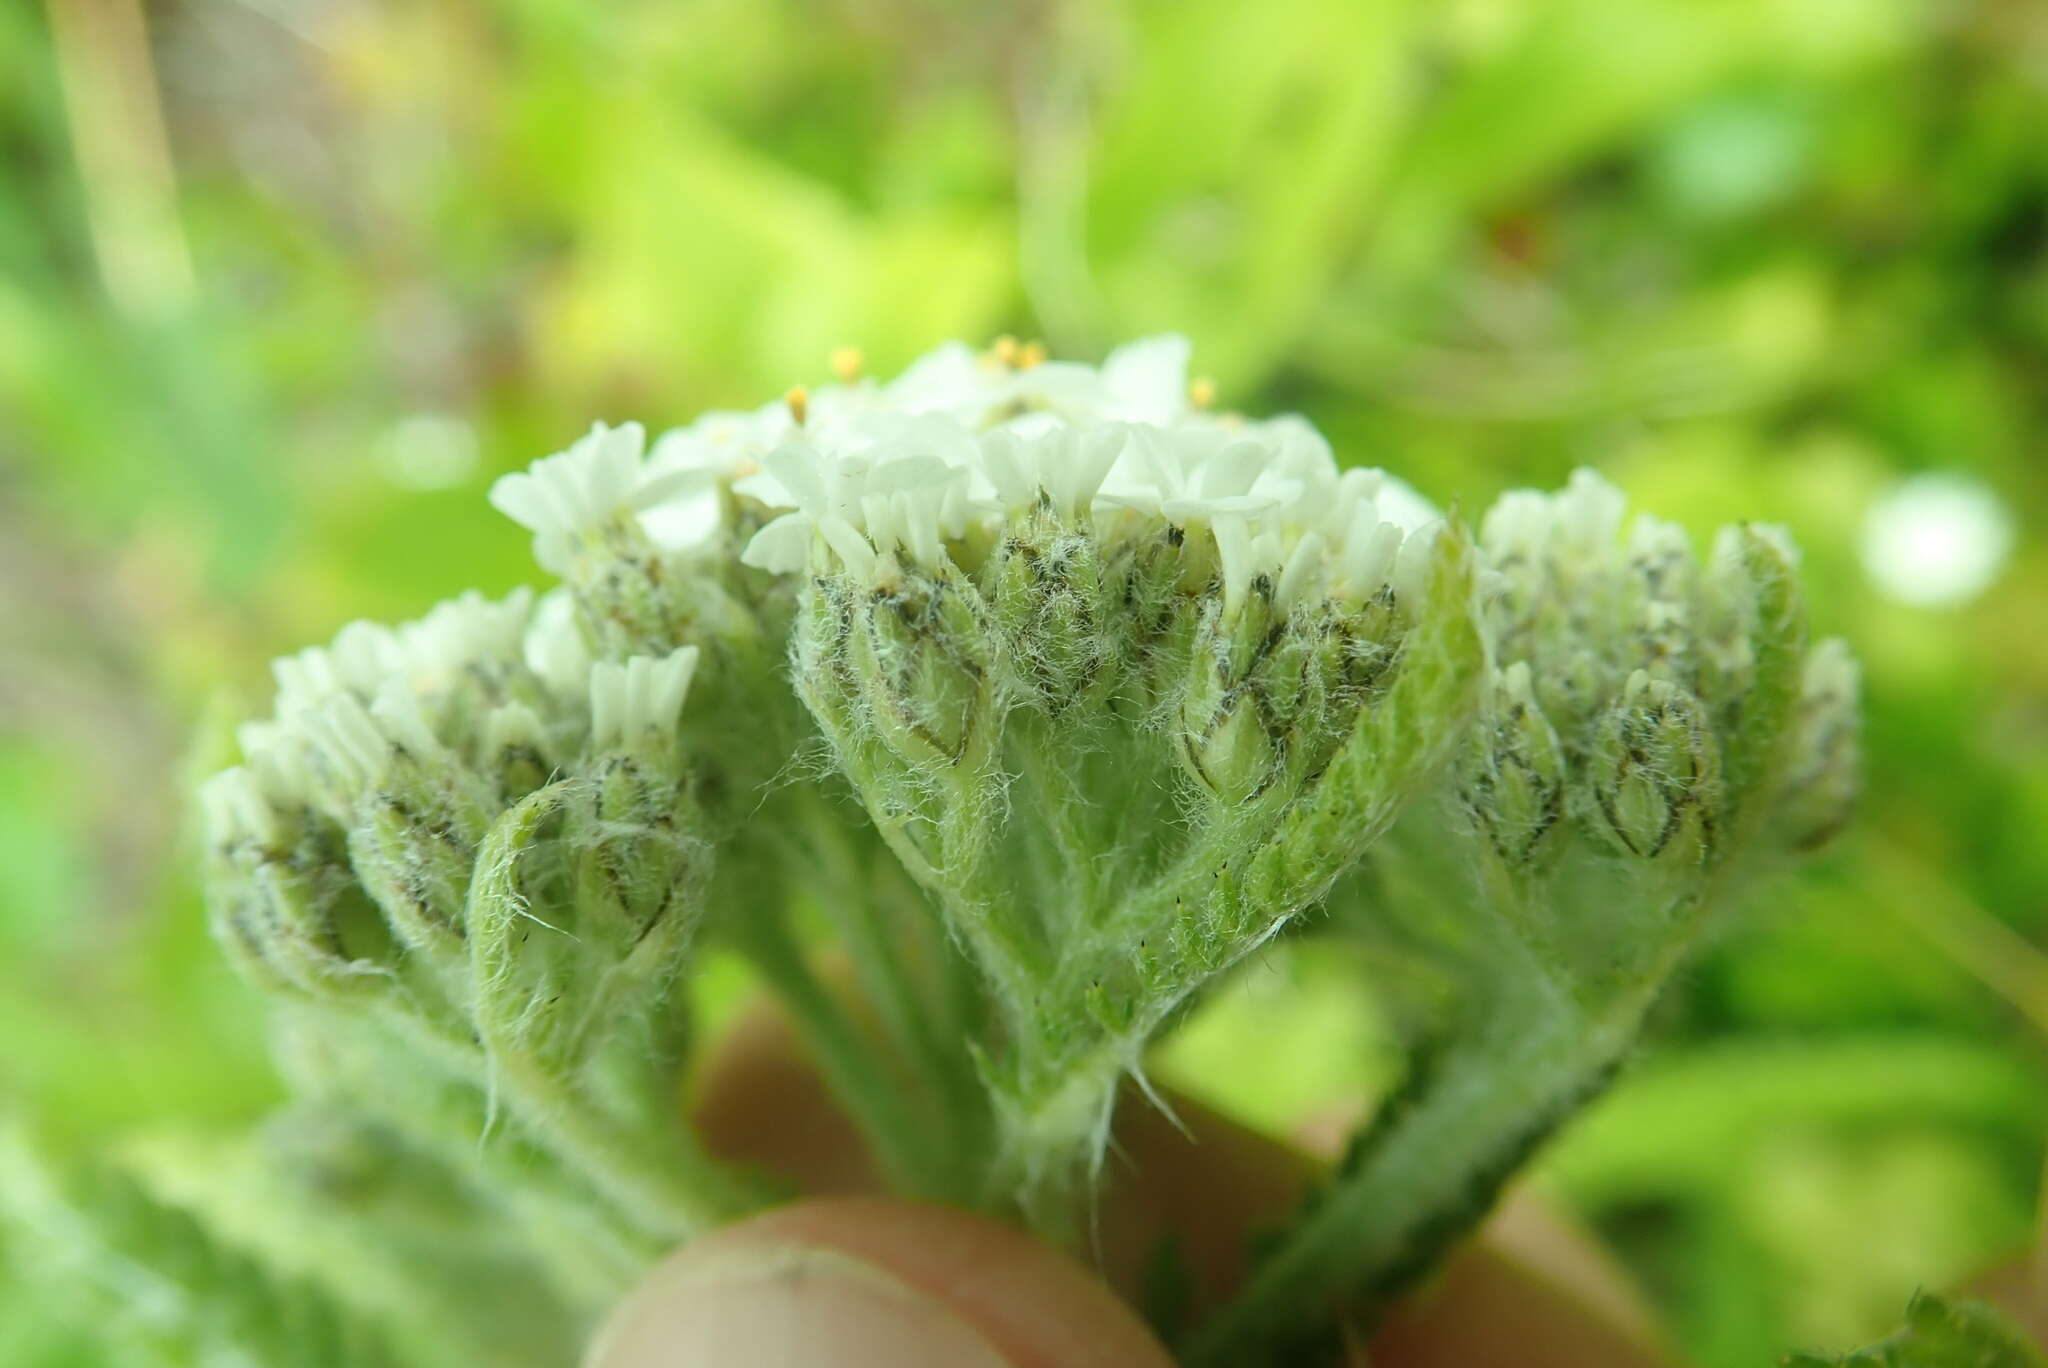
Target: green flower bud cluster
<point x="1668" y="710"/>
<point x="1651" y="731"/>
<point x="1054" y="696"/>
<point x="469" y="856"/>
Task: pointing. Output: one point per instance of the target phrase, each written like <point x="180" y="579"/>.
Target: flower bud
<point x="921" y="653"/>
<point x="515" y="750"/>
<point x="1655" y="772"/>
<point x="1753" y="679"/>
<point x="1514" y="782"/>
<point x="1823" y="774"/>
<point x="1227" y="743"/>
<point x="1046" y="603"/>
<point x="282" y="900"/>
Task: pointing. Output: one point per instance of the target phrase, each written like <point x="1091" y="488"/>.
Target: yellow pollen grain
<point x="799" y="401"/>
<point x="846" y="364"/>
<point x="1202" y="391"/>
<point x="1004" y="349"/>
<point x="1031" y="354"/>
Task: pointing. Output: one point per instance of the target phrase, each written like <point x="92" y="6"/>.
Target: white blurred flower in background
<point x="1936" y="540"/>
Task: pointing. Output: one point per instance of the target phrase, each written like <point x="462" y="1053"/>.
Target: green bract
<point x="1054" y="697"/>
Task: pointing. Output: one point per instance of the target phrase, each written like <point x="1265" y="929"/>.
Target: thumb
<point x="866" y="1282"/>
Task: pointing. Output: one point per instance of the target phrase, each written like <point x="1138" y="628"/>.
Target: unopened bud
<point x="515" y="749"/>
<point x="922" y="656"/>
<point x="1045" y="601"/>
<point x="1226" y="742"/>
<point x="1515" y="779"/>
<point x="1823" y="776"/>
<point x="1656" y="771"/>
<point x="281" y="899"/>
<point x="413" y="812"/>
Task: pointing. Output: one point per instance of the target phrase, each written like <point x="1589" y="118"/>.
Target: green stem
<point x="884" y="969"/>
<point x="849" y="1063"/>
<point x="1046" y="1136"/>
<point x="668" y="1188"/>
<point x="590" y="1250"/>
<point x="1438" y="1166"/>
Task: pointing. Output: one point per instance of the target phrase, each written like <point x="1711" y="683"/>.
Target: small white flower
<point x="1365" y="558"/>
<point x="1246" y="552"/>
<point x="1401" y="504"/>
<point x="1067" y="464"/>
<point x="462" y="632"/>
<point x="1588" y="512"/>
<point x="514" y="726"/>
<point x="1147" y="381"/>
<point x="950" y="379"/>
<point x="1412" y="563"/>
<point x="357" y="662"/>
<point x="1193" y="474"/>
<point x="642" y="695"/>
<point x="1581" y="522"/>
<point x="1653" y="540"/>
<point x="355" y="752"/>
<point x="554" y="648"/>
<point x="910" y="501"/>
<point x="570" y="498"/>
<point x="401" y="718"/>
<point x="234" y="809"/>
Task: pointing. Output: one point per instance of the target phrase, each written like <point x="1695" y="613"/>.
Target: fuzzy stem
<point x="863" y="918"/>
<point x="671" y="1189"/>
<point x="851" y="1067"/>
<point x="1436" y="1167"/>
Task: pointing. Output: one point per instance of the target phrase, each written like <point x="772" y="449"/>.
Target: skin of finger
<point x="1210" y="1184"/>
<point x="1487" y="1306"/>
<point x="878" y="1281"/>
<point x="756" y="1101"/>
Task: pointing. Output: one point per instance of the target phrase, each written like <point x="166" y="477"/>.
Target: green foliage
<point x="1941" y="1334"/>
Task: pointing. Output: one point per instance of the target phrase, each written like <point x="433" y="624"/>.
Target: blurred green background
<point x="285" y="283"/>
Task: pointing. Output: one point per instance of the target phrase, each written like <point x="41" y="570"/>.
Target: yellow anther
<point x="799" y="401"/>
<point x="1202" y="391"/>
<point x="1030" y="354"/>
<point x="846" y="364"/>
<point x="1004" y="349"/>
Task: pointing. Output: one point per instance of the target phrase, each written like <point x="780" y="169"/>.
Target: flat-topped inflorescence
<point x="1110" y="673"/>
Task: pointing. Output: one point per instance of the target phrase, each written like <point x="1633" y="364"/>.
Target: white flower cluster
<point x="876" y="477"/>
<point x="1581" y="524"/>
<point x="456" y="688"/>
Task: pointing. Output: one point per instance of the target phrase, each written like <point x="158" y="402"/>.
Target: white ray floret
<point x="553" y="645"/>
<point x="644" y="694"/>
<point x="860" y="508"/>
<point x="1067" y="465"/>
<point x="234" y="808"/>
<point x="465" y="631"/>
<point x="574" y="496"/>
<point x="356" y="662"/>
